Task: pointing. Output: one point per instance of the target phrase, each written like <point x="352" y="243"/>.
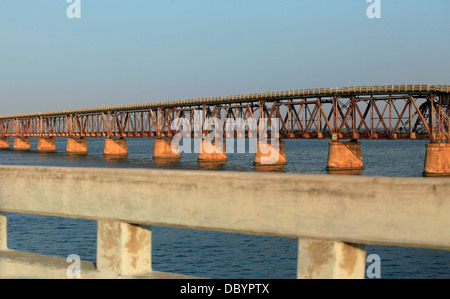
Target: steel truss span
<point x="360" y="112"/>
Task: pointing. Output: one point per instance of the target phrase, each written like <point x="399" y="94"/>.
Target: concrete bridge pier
<point x="77" y="146"/>
<point x="22" y="144"/>
<point x="4" y="143"/>
<point x="270" y="153"/>
<point x="166" y="149"/>
<point x="46" y="145"/>
<point x="212" y="151"/>
<point x="345" y="157"/>
<point x="437" y="160"/>
<point x="116" y="147"/>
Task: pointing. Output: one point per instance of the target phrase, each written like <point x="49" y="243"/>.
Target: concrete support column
<point x="270" y="153"/>
<point x="116" y="147"/>
<point x="77" y="146"/>
<point x="437" y="159"/>
<point x="3" y="232"/>
<point x="4" y="143"/>
<point x="123" y="248"/>
<point x="330" y="260"/>
<point x="22" y="144"/>
<point x="212" y="151"/>
<point x="46" y="145"/>
<point x="166" y="149"/>
<point x="345" y="156"/>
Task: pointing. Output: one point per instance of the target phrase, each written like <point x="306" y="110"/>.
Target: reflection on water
<point x="345" y="171"/>
<point x="166" y="162"/>
<point x="50" y="154"/>
<point x="77" y="156"/>
<point x="116" y="159"/>
<point x="270" y="168"/>
<point x="210" y="165"/>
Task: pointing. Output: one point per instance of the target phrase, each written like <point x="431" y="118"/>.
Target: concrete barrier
<point x="332" y="216"/>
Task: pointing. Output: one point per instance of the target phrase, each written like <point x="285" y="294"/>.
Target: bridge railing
<point x="331" y="216"/>
<point x="253" y="97"/>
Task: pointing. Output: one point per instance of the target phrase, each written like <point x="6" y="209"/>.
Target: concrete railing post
<point x="319" y="259"/>
<point x="123" y="248"/>
<point x="3" y="232"/>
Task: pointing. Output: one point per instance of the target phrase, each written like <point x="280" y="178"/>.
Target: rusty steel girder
<point x="367" y="112"/>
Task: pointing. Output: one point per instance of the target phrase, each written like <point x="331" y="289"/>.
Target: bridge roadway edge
<point x="26" y="265"/>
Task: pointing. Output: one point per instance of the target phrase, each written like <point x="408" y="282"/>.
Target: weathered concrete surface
<point x="270" y="153"/>
<point x="46" y="145"/>
<point x="22" y="144"/>
<point x="3" y="232"/>
<point x="344" y="156"/>
<point x="353" y="209"/>
<point x="4" y="143"/>
<point x="212" y="151"/>
<point x="166" y="149"/>
<point x="123" y="248"/>
<point x="116" y="147"/>
<point x="324" y="259"/>
<point x="25" y="265"/>
<point x="77" y="146"/>
<point x="437" y="159"/>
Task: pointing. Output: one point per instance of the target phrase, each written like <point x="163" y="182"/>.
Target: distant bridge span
<point x="418" y="111"/>
<point x="365" y="112"/>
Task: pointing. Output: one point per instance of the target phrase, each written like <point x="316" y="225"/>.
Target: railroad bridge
<point x="344" y="115"/>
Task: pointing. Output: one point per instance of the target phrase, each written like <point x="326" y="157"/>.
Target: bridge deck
<point x="254" y="97"/>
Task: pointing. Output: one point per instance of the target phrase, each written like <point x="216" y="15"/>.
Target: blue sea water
<point x="217" y="254"/>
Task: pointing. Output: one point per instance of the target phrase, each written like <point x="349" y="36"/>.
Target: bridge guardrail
<point x="331" y="216"/>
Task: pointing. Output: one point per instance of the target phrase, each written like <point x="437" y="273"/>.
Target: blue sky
<point x="124" y="52"/>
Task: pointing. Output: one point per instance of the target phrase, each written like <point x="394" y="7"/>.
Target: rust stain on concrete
<point x="319" y="255"/>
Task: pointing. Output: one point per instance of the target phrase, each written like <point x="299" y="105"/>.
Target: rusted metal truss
<point x="369" y="112"/>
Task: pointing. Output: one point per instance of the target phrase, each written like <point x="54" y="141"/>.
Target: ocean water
<point x="217" y="254"/>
